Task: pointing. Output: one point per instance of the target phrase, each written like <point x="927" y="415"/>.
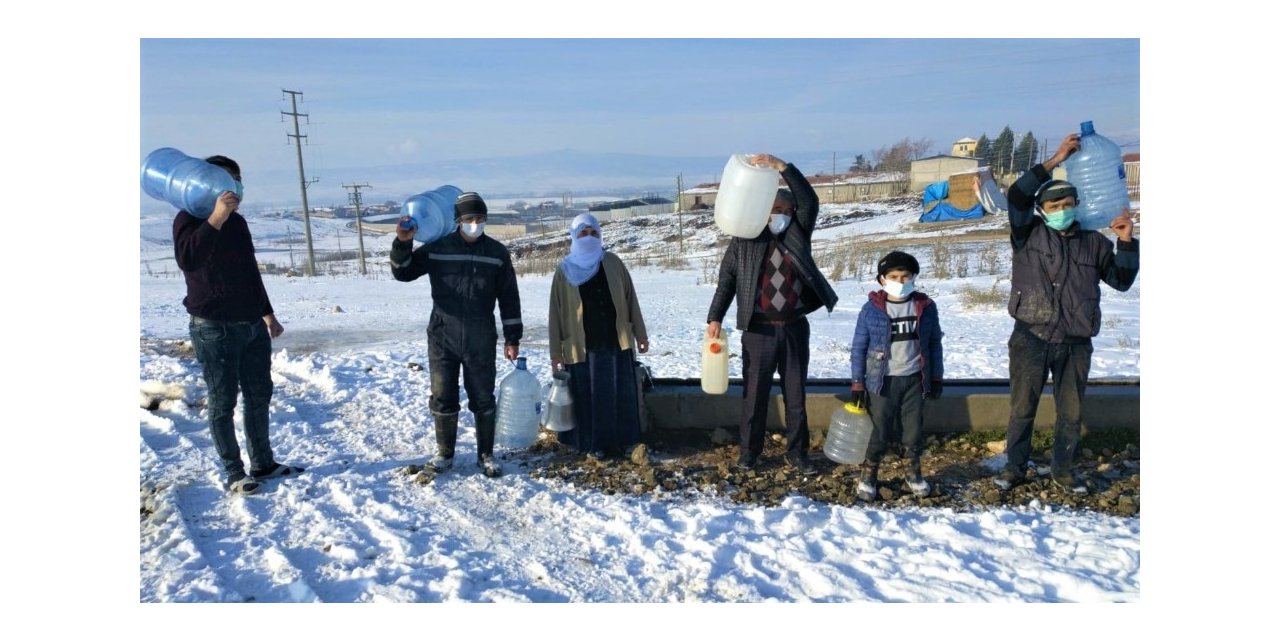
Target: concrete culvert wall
<point x="965" y="405"/>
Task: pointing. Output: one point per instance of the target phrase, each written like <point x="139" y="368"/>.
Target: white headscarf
<point x="585" y="253"/>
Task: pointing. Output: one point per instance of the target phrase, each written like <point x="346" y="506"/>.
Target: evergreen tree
<point x="982" y="151"/>
<point x="1002" y="151"/>
<point x="860" y="165"/>
<point x="1025" y="155"/>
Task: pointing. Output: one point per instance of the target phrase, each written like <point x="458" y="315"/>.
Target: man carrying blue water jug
<point x="1055" y="301"/>
<point x="776" y="284"/>
<point x="232" y="324"/>
<point x="470" y="273"/>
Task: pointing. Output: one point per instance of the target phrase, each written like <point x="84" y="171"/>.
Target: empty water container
<point x="187" y="183"/>
<point x="848" y="435"/>
<point x="745" y="198"/>
<point x="1097" y="171"/>
<point x="557" y="403"/>
<point x="518" y="408"/>
<point x="432" y="212"/>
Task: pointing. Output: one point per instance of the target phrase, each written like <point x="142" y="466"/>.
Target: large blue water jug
<point x="184" y="182"/>
<point x="519" y="404"/>
<point x="1097" y="171"/>
<point x="432" y="212"/>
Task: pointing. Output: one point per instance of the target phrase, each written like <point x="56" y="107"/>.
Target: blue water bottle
<point x="432" y="212"/>
<point x="1097" y="171"/>
<point x="187" y="183"/>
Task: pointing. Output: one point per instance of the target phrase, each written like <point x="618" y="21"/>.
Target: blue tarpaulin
<point x="937" y="209"/>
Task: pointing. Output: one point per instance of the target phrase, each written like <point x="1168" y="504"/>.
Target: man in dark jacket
<point x="470" y="272"/>
<point x="1055" y="301"/>
<point x="232" y="324"/>
<point x="776" y="284"/>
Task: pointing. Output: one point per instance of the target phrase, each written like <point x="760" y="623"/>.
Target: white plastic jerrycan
<point x="848" y="435"/>
<point x="745" y="198"/>
<point x="715" y="363"/>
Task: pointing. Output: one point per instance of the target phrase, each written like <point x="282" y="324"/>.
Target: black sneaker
<point x="1067" y="482"/>
<point x="747" y="461"/>
<point x="1009" y="479"/>
<point x="915" y="479"/>
<point x="800" y="462"/>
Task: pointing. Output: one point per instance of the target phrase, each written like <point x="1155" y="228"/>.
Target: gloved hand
<point x="859" y="391"/>
<point x="935" y="390"/>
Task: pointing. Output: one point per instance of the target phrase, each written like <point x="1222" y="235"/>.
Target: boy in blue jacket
<point x="896" y="363"/>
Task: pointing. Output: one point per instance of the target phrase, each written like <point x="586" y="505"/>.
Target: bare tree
<point x="919" y="148"/>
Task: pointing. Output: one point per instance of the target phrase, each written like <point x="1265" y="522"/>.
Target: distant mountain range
<point x="546" y="175"/>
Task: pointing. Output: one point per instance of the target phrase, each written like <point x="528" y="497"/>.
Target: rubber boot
<point x="446" y="434"/>
<point x="486" y="425"/>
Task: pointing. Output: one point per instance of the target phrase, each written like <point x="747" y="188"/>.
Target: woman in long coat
<point x="594" y="329"/>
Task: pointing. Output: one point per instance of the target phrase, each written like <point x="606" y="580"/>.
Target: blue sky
<point x="391" y="101"/>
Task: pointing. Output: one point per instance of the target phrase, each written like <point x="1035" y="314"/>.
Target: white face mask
<point x="471" y="229"/>
<point x="899" y="289"/>
<point x="778" y="223"/>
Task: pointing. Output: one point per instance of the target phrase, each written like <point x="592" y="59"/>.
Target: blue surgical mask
<point x="778" y="223"/>
<point x="897" y="289"/>
<point x="1060" y="220"/>
<point x="239" y="190"/>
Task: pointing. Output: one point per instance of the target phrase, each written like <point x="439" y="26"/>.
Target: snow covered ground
<point x="354" y="529"/>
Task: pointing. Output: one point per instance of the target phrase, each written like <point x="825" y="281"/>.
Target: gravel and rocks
<point x="959" y="470"/>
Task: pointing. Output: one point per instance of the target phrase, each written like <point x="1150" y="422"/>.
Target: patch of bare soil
<point x="682" y="464"/>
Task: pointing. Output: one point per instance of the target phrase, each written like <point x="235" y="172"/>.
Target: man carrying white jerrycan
<point x="470" y="273"/>
<point x="776" y="284"/>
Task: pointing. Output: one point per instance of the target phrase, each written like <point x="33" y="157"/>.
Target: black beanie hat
<point x="1055" y="189"/>
<point x="469" y="204"/>
<point x="895" y="260"/>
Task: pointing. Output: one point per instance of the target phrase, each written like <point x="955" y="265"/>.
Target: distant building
<point x="622" y="209"/>
<point x="841" y="188"/>
<point x="964" y="147"/>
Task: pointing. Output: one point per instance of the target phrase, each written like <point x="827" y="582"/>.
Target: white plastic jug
<point x="187" y="183"/>
<point x="1097" y="171"/>
<point x="848" y="434"/>
<point x="518" y="408"/>
<point x="745" y="198"/>
<point x="715" y="363"/>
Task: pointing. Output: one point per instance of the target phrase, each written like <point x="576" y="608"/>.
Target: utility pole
<point x="680" y="209"/>
<point x="833" y="177"/>
<point x="354" y="197"/>
<point x="302" y="176"/>
<point x="1012" y="150"/>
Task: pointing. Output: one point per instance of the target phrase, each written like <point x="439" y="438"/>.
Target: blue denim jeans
<point x="236" y="358"/>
